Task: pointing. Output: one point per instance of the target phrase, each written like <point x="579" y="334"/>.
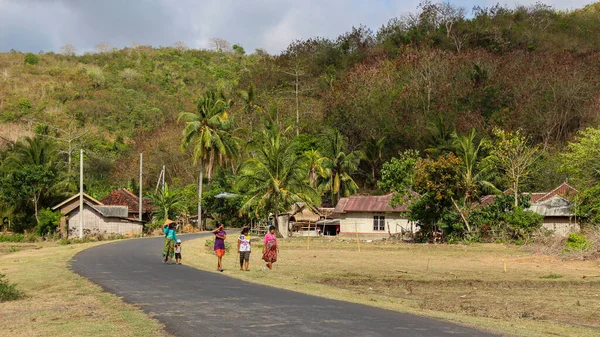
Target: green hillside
<point x="413" y="82"/>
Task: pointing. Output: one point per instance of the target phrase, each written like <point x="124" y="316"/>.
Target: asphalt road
<point x="191" y="302"/>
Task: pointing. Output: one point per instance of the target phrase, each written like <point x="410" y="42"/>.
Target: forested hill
<point x="412" y="81"/>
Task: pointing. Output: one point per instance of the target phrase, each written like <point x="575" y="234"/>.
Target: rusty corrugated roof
<point x="368" y="203"/>
<point x="123" y="197"/>
<point x="564" y="190"/>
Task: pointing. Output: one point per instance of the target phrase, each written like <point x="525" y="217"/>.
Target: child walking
<point x="178" y="252"/>
<point x="244" y="249"/>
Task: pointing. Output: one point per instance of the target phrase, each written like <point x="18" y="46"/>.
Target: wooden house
<point x="97" y="218"/>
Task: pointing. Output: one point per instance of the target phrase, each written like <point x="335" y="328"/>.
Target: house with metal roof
<point x="124" y="197"/>
<point x="372" y="216"/>
<point x="97" y="218"/>
<point x="555" y="206"/>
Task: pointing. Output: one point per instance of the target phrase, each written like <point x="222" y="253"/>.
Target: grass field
<point x="59" y="302"/>
<point x="537" y="295"/>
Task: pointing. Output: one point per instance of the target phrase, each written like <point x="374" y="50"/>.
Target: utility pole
<point x="297" y="72"/>
<point x="297" y="106"/>
<point x="164" y="171"/>
<point x="81" y="194"/>
<point x="140" y="198"/>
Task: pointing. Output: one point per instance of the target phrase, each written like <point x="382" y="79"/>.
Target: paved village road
<point x="190" y="302"/>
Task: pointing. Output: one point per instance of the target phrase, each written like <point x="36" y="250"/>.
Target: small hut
<point x="97" y="218"/>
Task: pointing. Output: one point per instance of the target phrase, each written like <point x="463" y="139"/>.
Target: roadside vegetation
<point x="48" y="299"/>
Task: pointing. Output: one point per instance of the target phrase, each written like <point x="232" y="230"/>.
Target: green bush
<point x="12" y="238"/>
<point x="31" y="58"/>
<point x="8" y="291"/>
<point x="576" y="242"/>
<point x="48" y="222"/>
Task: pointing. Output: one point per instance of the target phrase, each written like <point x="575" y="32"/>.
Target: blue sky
<point x="34" y="25"/>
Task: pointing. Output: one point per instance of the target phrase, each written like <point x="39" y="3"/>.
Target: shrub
<point x="31" y="58"/>
<point x="576" y="242"/>
<point x="48" y="222"/>
<point x="12" y="238"/>
<point x="8" y="291"/>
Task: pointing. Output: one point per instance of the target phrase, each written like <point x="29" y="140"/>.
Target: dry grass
<point x="58" y="302"/>
<point x="538" y="295"/>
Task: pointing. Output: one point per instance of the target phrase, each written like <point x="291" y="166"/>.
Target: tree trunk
<point x="200" y="197"/>
<point x="69" y="165"/>
<point x="461" y="214"/>
<point x="35" y="207"/>
<point x="276" y="213"/>
<point x="515" y="186"/>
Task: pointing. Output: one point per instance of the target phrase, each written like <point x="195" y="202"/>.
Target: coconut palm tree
<point x="339" y="166"/>
<point x="36" y="161"/>
<point x="469" y="151"/>
<point x="250" y="107"/>
<point x="441" y="137"/>
<point x="374" y="155"/>
<point x="274" y="176"/>
<point x="166" y="203"/>
<point x="208" y="131"/>
<point x="314" y="162"/>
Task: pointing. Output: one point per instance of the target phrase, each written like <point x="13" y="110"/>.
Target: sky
<point x="46" y="25"/>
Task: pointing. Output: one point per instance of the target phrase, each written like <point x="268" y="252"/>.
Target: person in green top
<point x="170" y="239"/>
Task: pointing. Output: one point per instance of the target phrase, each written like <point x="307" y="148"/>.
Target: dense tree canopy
<point x="437" y="81"/>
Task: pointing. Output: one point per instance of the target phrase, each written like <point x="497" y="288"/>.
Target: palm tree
<point x="469" y="151"/>
<point x="374" y="155"/>
<point x="250" y="107"/>
<point x="37" y="160"/>
<point x="441" y="137"/>
<point x="274" y="176"/>
<point x="339" y="166"/>
<point x="166" y="203"/>
<point x="209" y="131"/>
<point x="34" y="151"/>
<point x="314" y="162"/>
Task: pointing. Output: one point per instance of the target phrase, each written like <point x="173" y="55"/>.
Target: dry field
<point x="537" y="295"/>
<point x="59" y="302"/>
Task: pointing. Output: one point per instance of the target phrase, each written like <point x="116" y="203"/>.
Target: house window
<point x="378" y="223"/>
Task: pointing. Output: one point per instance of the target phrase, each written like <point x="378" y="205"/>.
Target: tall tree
<point x="32" y="171"/>
<point x="208" y="130"/>
<point x="339" y="164"/>
<point x="314" y="161"/>
<point x="438" y="184"/>
<point x="469" y="150"/>
<point x="274" y="177"/>
<point x="513" y="155"/>
<point x="373" y="150"/>
<point x="251" y="108"/>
